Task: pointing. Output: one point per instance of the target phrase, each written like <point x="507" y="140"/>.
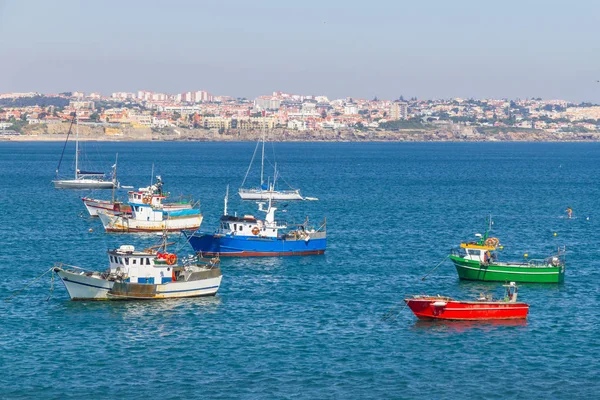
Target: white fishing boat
<point x="148" y="214"/>
<point x="94" y="206"/>
<point x="142" y="275"/>
<point x="83" y="179"/>
<point x="266" y="190"/>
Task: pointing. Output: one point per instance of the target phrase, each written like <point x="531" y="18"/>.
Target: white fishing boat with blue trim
<point x="148" y="214"/>
<point x="142" y="275"/>
<point x="95" y="206"/>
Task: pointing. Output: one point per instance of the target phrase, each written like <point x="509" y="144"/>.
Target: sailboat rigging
<point x="83" y="179"/>
<point x="267" y="191"/>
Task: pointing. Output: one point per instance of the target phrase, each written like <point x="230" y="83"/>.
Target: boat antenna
<point x="65" y="145"/>
<point x="152" y="175"/>
<point x="489" y="227"/>
<point x="226" y="198"/>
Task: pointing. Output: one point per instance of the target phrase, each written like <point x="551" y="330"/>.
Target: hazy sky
<point x="339" y="48"/>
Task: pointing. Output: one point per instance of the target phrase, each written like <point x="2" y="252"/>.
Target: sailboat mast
<point x="76" y="146"/>
<point x="262" y="160"/>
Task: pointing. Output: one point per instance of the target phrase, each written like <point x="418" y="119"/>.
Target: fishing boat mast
<point x="225" y="201"/>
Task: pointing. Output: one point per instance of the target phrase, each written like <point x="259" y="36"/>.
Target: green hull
<point x="504" y="272"/>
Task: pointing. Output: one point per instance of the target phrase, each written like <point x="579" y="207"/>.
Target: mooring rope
<point x="29" y="284"/>
<point x="51" y="287"/>
<point x="436" y="267"/>
<point x="393" y="313"/>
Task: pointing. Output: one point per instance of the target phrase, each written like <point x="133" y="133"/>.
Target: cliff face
<point x="439" y="133"/>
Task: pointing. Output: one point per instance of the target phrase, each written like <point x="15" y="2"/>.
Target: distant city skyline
<point x="338" y="49"/>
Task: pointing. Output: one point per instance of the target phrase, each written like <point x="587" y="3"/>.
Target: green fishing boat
<point x="478" y="261"/>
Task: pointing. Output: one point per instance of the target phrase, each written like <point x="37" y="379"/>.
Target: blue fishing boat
<point x="248" y="236"/>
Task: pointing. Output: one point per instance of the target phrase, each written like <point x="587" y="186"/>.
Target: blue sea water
<point x="310" y="327"/>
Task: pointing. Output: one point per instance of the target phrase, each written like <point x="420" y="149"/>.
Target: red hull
<point x="440" y="308"/>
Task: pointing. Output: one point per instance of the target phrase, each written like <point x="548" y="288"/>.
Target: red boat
<point x="441" y="307"/>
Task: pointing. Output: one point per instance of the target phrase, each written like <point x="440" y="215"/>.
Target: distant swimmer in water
<point x="569" y="212"/>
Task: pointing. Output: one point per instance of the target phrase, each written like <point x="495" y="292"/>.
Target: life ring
<point x="171" y="259"/>
<point x="492" y="242"/>
<point x="255" y="231"/>
<point x="146" y="200"/>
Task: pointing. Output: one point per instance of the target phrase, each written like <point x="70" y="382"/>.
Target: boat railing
<point x="79" y="270"/>
<point x="67" y="267"/>
<point x="188" y="199"/>
<point x="555" y="261"/>
<point x="199" y="260"/>
<point x="279" y="224"/>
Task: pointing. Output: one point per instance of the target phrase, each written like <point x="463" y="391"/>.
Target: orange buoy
<point x="171" y="259"/>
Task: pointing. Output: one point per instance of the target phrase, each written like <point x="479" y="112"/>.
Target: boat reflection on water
<point x="464" y="326"/>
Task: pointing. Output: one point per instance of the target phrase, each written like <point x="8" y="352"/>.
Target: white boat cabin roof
<point x="234" y="218"/>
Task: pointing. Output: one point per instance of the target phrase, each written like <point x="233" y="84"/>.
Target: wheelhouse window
<point x="133" y="261"/>
<point x="126" y="260"/>
<point x="241" y="227"/>
<point x="473" y="252"/>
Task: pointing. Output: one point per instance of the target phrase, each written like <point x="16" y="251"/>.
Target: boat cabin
<point x="146" y="207"/>
<point x="512" y="292"/>
<point x="248" y="225"/>
<point x="476" y="252"/>
<point x="142" y="266"/>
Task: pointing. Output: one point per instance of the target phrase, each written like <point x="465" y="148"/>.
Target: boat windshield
<point x="459" y="252"/>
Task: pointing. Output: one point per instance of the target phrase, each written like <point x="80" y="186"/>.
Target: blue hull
<point x="248" y="246"/>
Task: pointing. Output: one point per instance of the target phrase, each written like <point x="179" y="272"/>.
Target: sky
<point x="361" y="49"/>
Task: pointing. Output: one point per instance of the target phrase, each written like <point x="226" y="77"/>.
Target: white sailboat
<point x="83" y="179"/>
<point x="267" y="191"/>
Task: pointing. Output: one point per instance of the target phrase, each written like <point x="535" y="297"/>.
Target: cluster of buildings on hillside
<point x="200" y="109"/>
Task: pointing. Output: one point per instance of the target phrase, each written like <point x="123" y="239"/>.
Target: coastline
<point x="428" y="133"/>
<point x="414" y="139"/>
